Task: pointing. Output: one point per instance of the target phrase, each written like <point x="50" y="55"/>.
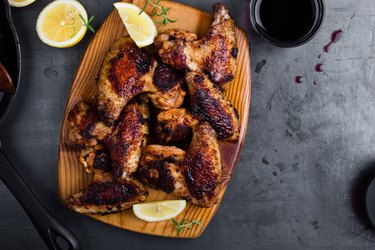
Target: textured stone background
<point x="307" y="157"/>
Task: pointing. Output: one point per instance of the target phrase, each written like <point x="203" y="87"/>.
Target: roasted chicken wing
<point x="107" y="197"/>
<point x="124" y="141"/>
<point x="127" y="140"/>
<point x="202" y="166"/>
<point x="161" y="168"/>
<point x="209" y="104"/>
<point x="174" y="125"/>
<point x="215" y="54"/>
<point x="128" y="71"/>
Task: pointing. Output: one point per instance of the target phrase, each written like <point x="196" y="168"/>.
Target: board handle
<point x="53" y="232"/>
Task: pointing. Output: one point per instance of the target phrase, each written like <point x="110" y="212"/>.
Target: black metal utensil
<point x="49" y="228"/>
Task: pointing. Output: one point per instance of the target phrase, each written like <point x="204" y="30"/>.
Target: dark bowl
<point x="318" y="21"/>
<point x="370" y="201"/>
<point x="10" y="55"/>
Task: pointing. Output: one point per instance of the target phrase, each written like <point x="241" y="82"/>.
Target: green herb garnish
<point x="159" y="10"/>
<point x="88" y="23"/>
<point x="184" y="224"/>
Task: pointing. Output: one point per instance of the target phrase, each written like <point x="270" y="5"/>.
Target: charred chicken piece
<point x="85" y="128"/>
<point x="107" y="197"/>
<point x="128" y="71"/>
<point x="124" y="142"/>
<point x="161" y="168"/>
<point x="170" y="89"/>
<point x="215" y="54"/>
<point x="195" y="175"/>
<point x="128" y="138"/>
<point x="96" y="159"/>
<point x="174" y="125"/>
<point x="209" y="104"/>
<point x="202" y="166"/>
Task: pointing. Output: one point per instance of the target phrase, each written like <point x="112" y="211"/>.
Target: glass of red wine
<point x="287" y="23"/>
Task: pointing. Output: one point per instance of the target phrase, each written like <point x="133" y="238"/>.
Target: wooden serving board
<point x="73" y="178"/>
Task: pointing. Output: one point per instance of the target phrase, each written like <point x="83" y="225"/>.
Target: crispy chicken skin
<point x="127" y="140"/>
<point x="128" y="71"/>
<point x="85" y="128"/>
<point x="174" y="125"/>
<point x="209" y="104"/>
<point x="170" y="88"/>
<point x="161" y="167"/>
<point x="215" y="54"/>
<point x="107" y="197"/>
<point x="202" y="166"/>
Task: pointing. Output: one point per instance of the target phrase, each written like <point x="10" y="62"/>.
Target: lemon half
<point x="59" y="24"/>
<point x="20" y="3"/>
<point x="159" y="210"/>
<point x="140" y="27"/>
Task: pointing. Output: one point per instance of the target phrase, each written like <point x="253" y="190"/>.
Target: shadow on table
<point x="358" y="193"/>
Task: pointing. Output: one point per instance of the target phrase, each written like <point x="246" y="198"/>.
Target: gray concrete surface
<point x="317" y="139"/>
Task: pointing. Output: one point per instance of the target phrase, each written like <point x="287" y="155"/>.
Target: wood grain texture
<point x="73" y="178"/>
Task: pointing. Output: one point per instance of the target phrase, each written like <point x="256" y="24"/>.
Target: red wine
<point x="335" y="37"/>
<point x="319" y="67"/>
<point x="286" y="20"/>
<point x="298" y="79"/>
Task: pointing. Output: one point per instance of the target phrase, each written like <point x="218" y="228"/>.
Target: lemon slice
<point x="159" y="210"/>
<point x="59" y="24"/>
<point x="140" y="27"/>
<point x="20" y="3"/>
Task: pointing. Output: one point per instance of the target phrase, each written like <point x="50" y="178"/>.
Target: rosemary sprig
<point x="88" y="23"/>
<point x="159" y="10"/>
<point x="184" y="224"/>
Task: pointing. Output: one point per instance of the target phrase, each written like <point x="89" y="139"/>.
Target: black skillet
<point x="49" y="228"/>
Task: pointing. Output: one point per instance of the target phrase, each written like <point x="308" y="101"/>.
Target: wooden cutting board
<point x="72" y="177"/>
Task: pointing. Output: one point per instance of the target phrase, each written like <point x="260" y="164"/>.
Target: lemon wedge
<point x="20" y="3"/>
<point x="159" y="210"/>
<point x="140" y="27"/>
<point x="59" y="24"/>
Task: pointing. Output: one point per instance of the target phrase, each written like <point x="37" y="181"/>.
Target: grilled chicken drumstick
<point x="202" y="166"/>
<point x="215" y="54"/>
